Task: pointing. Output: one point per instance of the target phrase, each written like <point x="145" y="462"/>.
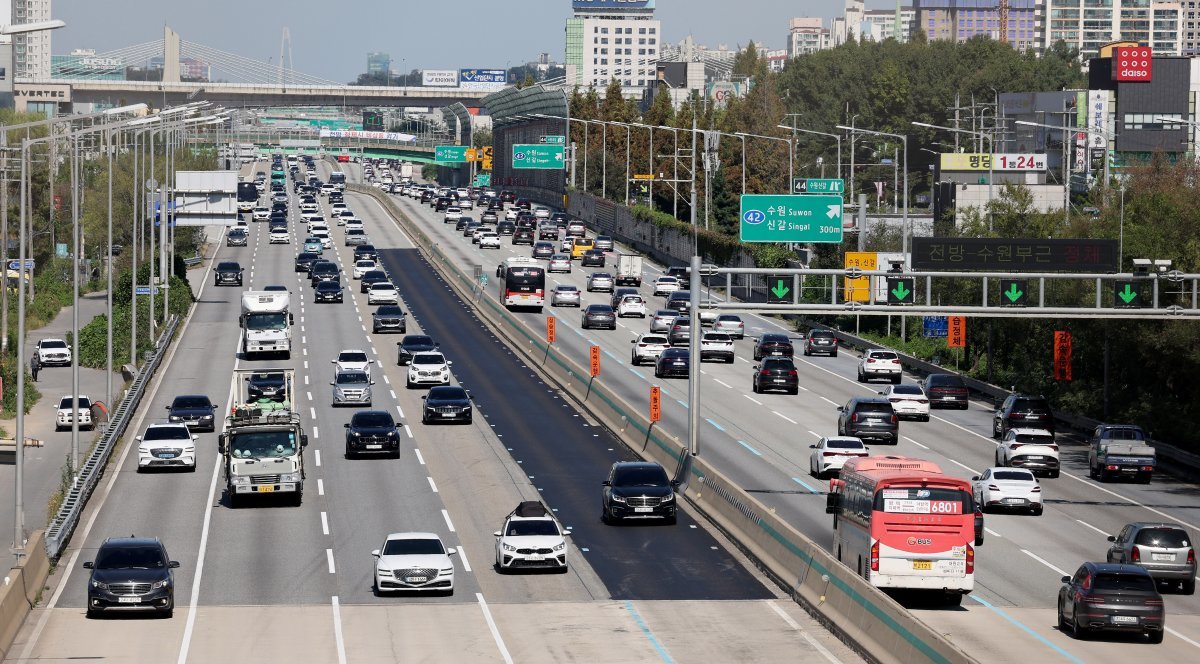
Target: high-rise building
<point x="613" y="39"/>
<point x="881" y="24"/>
<point x="1089" y="25"/>
<point x="378" y="64"/>
<point x="960" y="20"/>
<point x="806" y="35"/>
<point x="849" y="24"/>
<point x="31" y="51"/>
<point x="1189" y="27"/>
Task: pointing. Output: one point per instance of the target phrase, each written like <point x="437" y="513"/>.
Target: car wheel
<point x="995" y="430"/>
<point x="1155" y="636"/>
<point x="754" y="387"/>
<point x="92" y="614"/>
<point x="794" y="390"/>
<point x="349" y="453"/>
<point x="1062" y="621"/>
<point x="1037" y="511"/>
<point x="1054" y="474"/>
<point x="896" y="381"/>
<point x="672" y="520"/>
<point x="833" y="354"/>
<point x="729" y="360"/>
<point x="806" y="353"/>
<point x="861" y="377"/>
<point x="1189" y="587"/>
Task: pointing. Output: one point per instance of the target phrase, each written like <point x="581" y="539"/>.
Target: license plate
<point x="1125" y="620"/>
<point x="416" y="579"/>
<point x="535" y="558"/>
<point x="447" y="414"/>
<point x="1164" y="556"/>
<point x="1034" y="458"/>
<point x="266" y="489"/>
<point x="172" y="456"/>
<point x="923" y="564"/>
<point x="950" y="398"/>
<point x="643" y="510"/>
<point x="780" y="380"/>
<point x="374" y="447"/>
<point x="128" y="600"/>
<point x="1014" y="500"/>
<point x="873" y="420"/>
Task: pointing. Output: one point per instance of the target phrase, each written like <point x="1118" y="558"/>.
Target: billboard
<point x="1014" y="254"/>
<point x="612" y="4"/>
<point x="721" y="92"/>
<point x="439" y="78"/>
<point x="482" y="79"/>
<point x="960" y="161"/>
<point x="367" y="135"/>
<point x="1133" y="64"/>
<point x="1098" y="118"/>
<point x="205" y="197"/>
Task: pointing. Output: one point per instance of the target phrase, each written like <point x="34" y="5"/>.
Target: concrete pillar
<point x="170" y="56"/>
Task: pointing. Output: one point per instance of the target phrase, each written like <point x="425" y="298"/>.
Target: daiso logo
<point x="1132" y="63"/>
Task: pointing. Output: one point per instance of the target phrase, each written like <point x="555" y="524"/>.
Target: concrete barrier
<point x="844" y="602"/>
<point x="22" y="586"/>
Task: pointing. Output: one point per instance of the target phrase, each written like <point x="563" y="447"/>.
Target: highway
<point x="762" y="442"/>
<point x="273" y="582"/>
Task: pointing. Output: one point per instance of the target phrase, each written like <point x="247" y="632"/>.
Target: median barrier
<point x="845" y="603"/>
<point x="22" y="586"/>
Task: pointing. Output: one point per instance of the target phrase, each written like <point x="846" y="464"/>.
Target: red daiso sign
<point x="1132" y="63"/>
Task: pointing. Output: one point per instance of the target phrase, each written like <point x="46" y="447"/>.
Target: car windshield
<point x="1124" y="433"/>
<point x="883" y="355"/>
<point x="906" y="389"/>
<point x="728" y="318"/>
<point x="432" y="358"/>
<point x="532" y="528"/>
<point x="945" y="380"/>
<point x="266" y="321"/>
<point x="447" y="393"/>
<point x="416" y="341"/>
<point x="1013" y="475"/>
<point x="352" y="378"/>
<point x="167" y="433"/>
<point x="232" y="267"/>
<point x="1135" y="582"/>
<point x="191" y="402"/>
<point x="1034" y="439"/>
<point x="563" y="288"/>
<point x="267" y="379"/>
<point x="382" y="287"/>
<point x="675" y="353"/>
<point x="1030" y="405"/>
<point x="389" y="310"/>
<point x="640" y="476"/>
<point x="129" y="557"/>
<point x="774" y="339"/>
<point x="373" y="419"/>
<point x="370" y="265"/>
<point x="353" y="357"/>
<point x="654" y="340"/>
<point x="1165" y="538"/>
<point x="53" y="343"/>
<point x="263" y="444"/>
<point x="777" y="365"/>
<point x="413" y="547"/>
<point x="874" y="407"/>
<point x="84" y="403"/>
<point x="717" y="336"/>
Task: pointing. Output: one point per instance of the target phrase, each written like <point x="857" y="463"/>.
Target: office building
<point x="1088" y="26"/>
<point x="960" y="20"/>
<point x="378" y="64"/>
<point x="882" y="24"/>
<point x="805" y="36"/>
<point x="31" y="52"/>
<point x="613" y="39"/>
<point x="1189" y="27"/>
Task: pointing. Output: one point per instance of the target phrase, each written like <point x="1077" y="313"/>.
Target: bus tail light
<point x="970" y="559"/>
<point x="875" y="556"/>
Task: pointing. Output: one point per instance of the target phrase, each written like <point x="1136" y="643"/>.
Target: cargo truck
<point x="1121" y="450"/>
<point x="629" y="270"/>
<point x="262" y="446"/>
<point x="266" y="323"/>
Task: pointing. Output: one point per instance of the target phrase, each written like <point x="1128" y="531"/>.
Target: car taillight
<point x="993" y="487"/>
<point x="922" y="401"/>
<point x="895" y="420"/>
<point x="1136" y="555"/>
<point x="875" y="556"/>
<point x="870" y="360"/>
<point x="1093" y="599"/>
<point x="793" y="373"/>
<point x="1191" y="559"/>
<point x="1147" y="468"/>
<point x="1154" y="602"/>
<point x="1112" y="467"/>
<point x="1017" y="445"/>
<point x="1053" y="447"/>
<point x="829" y="454"/>
<point x="1036" y="489"/>
<point x="970" y="559"/>
<point x="765" y="372"/>
<point x="854" y="417"/>
<point x="895" y="399"/>
<point x="895" y="361"/>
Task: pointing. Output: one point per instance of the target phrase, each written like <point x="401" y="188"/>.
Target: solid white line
<point x="796" y="626"/>
<point x="466" y="564"/>
<point x="1043" y="561"/>
<point x="718" y="380"/>
<point x="1085" y="523"/>
<point x="487" y="615"/>
<point x="337" y="631"/>
<point x="324" y="524"/>
<point x="446" y="516"/>
<point x="193" y="600"/>
<point x="420" y="458"/>
<point x="785" y="417"/>
<point x="329" y="558"/>
<point x="752" y="399"/>
<point x="1174" y="633"/>
<point x="915" y="443"/>
<point x="992" y="532"/>
<point x="968" y="468"/>
<point x="434" y="487"/>
<point x="320" y="487"/>
<point x="317" y="456"/>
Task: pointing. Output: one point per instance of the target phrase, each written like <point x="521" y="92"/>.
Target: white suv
<point x="647" y="348"/>
<point x="167" y="445"/>
<point x="63" y="420"/>
<point x="53" y="351"/>
<point x="879" y="364"/>
<point x="428" y="368"/>
<point x="1031" y="449"/>
<point x="531" y="538"/>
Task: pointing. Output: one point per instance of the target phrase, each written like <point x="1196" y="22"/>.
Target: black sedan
<point x="411" y="345"/>
<point x="328" y="291"/>
<point x="776" y="373"/>
<point x="370" y="278"/>
<point x="388" y="318"/>
<point x="446" y="403"/>
<point x="195" y="410"/>
<point x="599" y="315"/>
<point x="592" y="258"/>
<point x="227" y="273"/>
<point x="672" y="362"/>
<point x="372" y="432"/>
<point x="305" y="259"/>
<point x="1110" y="597"/>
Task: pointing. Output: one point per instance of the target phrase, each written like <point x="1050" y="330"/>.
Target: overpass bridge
<point x="332" y="143"/>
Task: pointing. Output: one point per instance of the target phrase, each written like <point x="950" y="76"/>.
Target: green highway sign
<point x="1127" y="294"/>
<point x="553" y="140"/>
<point x="818" y="186"/>
<point x="1014" y="293"/>
<point x="787" y="218"/>
<point x="900" y="290"/>
<point x="482" y="180"/>
<point x="450" y="154"/>
<point x="538" y="156"/>
<point x="778" y="289"/>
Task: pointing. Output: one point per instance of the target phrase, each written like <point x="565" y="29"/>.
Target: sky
<point x="330" y="39"/>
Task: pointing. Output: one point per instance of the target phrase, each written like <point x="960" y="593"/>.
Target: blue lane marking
<point x="752" y="450"/>
<point x="614" y="357"/>
<point x="635" y="371"/>
<point x="804" y="484"/>
<point x="682" y="403"/>
<point x="658" y="646"/>
<point x="712" y="422"/>
<point x="1029" y="631"/>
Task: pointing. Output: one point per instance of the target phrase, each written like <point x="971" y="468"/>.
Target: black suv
<point x="1024" y="411"/>
<point x="411" y="345"/>
<point x="195" y="410"/>
<point x="821" y="342"/>
<point x="869" y="418"/>
<point x="1109" y="597"/>
<point x="680" y="301"/>
<point x="372" y="431"/>
<point x="227" y="273"/>
<point x="638" y="490"/>
<point x="131" y="573"/>
<point x="523" y="236"/>
<point x="323" y="271"/>
<point x="773" y="345"/>
<point x="776" y="373"/>
<point x="366" y="252"/>
<point x="946" y="390"/>
<point x="370" y="278"/>
<point x="305" y="259"/>
<point x="446" y="403"/>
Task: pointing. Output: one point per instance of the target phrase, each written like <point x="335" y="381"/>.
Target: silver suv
<point x="351" y="387"/>
<point x="1164" y="549"/>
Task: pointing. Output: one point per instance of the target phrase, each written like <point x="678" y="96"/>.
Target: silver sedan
<point x="565" y="295"/>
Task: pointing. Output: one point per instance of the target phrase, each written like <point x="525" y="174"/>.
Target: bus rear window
<point x="922" y="500"/>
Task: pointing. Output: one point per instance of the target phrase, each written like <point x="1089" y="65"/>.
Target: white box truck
<point x="629" y="270"/>
<point x="266" y="323"/>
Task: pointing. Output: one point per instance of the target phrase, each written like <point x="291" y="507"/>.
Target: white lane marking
<point x="329" y="559"/>
<point x="420" y="459"/>
<point x="826" y="400"/>
<point x="193" y="600"/>
<point x="386" y="380"/>
<point x="324" y="524"/>
<point x="915" y="443"/>
<point x="1085" y="523"/>
<point x="449" y="523"/>
<point x="752" y="399"/>
<point x="312" y="411"/>
<point x="968" y="468"/>
<point x="305" y="376"/>
<point x="316" y="432"/>
<point x="785" y="417"/>
<point x="317" y="457"/>
<point x="718" y="380"/>
<point x="320" y="487"/>
<point x="466" y="563"/>
<point x="393" y="393"/>
<point x="1174" y="633"/>
<point x="1131" y="501"/>
<point x="309" y="395"/>
<point x="433" y="487"/>
<point x="992" y="532"/>
<point x="807" y="637"/>
<point x="337" y="631"/>
<point x="306" y="364"/>
<point x="487" y="615"/>
<point x="1044" y="562"/>
<point x="401" y="411"/>
<point x="408" y="431"/>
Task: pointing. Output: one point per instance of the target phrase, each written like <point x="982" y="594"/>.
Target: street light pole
<point x="980" y="135"/>
<point x="904" y="139"/>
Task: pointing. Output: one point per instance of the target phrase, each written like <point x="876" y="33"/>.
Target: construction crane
<point x="1003" y="9"/>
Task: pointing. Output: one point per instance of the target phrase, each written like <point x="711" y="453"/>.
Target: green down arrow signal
<point x="1128" y="294"/>
<point x="1013" y="293"/>
<point x="780" y="290"/>
<point x="901" y="291"/>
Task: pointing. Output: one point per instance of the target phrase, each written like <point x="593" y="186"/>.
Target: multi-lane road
<point x="762" y="442"/>
<point x="273" y="582"/>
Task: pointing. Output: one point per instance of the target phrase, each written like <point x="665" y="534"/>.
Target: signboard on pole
<point x="1062" y="355"/>
<point x="544" y="157"/>
<point x="489" y="80"/>
<point x="551" y="329"/>
<point x="935" y="327"/>
<point x="1014" y="254"/>
<point x="960" y="161"/>
<point x="818" y="186"/>
<point x="655" y="404"/>
<point x="788" y="218"/>
<point x="553" y="140"/>
<point x="16" y="265"/>
<point x="956" y="332"/>
<point x="450" y="154"/>
<point x="858" y="289"/>
<point x="595" y="357"/>
<point x="439" y="78"/>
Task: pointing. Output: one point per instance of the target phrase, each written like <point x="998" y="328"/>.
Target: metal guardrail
<point x="58" y="533"/>
<point x="194" y="260"/>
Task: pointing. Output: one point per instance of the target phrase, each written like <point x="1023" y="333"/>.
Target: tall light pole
<point x="991" y="138"/>
<point x="1071" y="157"/>
<point x="904" y="139"/>
<point x="787" y="141"/>
<point x="836" y="137"/>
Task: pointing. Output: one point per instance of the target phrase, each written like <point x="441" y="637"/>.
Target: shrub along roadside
<point x="93" y="337"/>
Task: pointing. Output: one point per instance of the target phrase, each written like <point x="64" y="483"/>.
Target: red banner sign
<point x="956" y="331"/>
<point x="1062" y="355"/>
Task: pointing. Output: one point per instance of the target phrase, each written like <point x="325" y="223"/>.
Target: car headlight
<point x="383" y="572"/>
<point x="165" y="583"/>
<point x="507" y="547"/>
<point x="241" y="481"/>
<point x="289" y="477"/>
<point x="560" y="546"/>
<point x="205" y="417"/>
<point x="618" y="498"/>
<point x="174" y="418"/>
<point x="446" y="571"/>
<point x="668" y="498"/>
<point x="100" y="585"/>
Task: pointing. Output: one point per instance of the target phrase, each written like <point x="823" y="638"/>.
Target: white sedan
<point x="830" y="454"/>
<point x="1007" y="488"/>
<point x="262" y="213"/>
<point x="414" y="561"/>
<point x="909" y="401"/>
<point x="383" y="293"/>
<point x="279" y="236"/>
<point x="559" y="263"/>
<point x="362" y="267"/>
<point x="489" y="240"/>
